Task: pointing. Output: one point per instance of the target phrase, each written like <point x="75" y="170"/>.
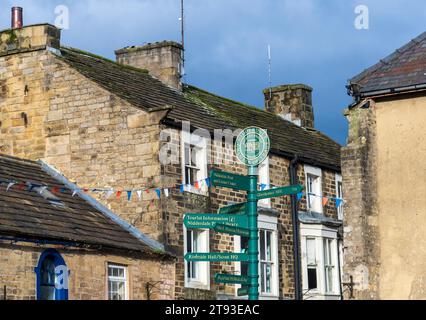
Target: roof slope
<point x="406" y="67"/>
<point x="202" y="109"/>
<point x="27" y="214"/>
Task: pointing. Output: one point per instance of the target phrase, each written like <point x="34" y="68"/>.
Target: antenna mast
<point x="270" y="73"/>
<point x="182" y="25"/>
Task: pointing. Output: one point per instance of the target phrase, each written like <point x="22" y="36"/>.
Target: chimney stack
<point x="163" y="60"/>
<point x="292" y="102"/>
<point x="17" y="18"/>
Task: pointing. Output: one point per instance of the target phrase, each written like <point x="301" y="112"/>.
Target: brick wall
<point x="180" y="203"/>
<point x="88" y="277"/>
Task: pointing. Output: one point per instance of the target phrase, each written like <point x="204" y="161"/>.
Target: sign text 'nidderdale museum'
<point x="104" y="126"/>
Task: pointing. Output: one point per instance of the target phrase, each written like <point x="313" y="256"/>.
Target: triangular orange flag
<point x="324" y="201"/>
<point x="119" y="194"/>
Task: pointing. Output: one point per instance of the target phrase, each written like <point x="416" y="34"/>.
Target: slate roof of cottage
<point x="203" y="109"/>
<point x="26" y="214"/>
<point x="401" y="71"/>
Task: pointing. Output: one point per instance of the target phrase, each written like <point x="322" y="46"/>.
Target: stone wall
<point x="88" y="273"/>
<point x="49" y="111"/>
<point x="361" y="228"/>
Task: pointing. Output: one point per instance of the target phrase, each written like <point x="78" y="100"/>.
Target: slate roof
<point x="27" y="214"/>
<point x="203" y="109"/>
<point x="403" y="70"/>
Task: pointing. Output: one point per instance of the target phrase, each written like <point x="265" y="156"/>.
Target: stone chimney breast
<point x="163" y="60"/>
<point x="28" y="38"/>
<point x="291" y="102"/>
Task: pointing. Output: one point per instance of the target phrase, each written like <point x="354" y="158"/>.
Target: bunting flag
<point x="139" y="193"/>
<point x="10" y="185"/>
<point x="108" y="192"/>
<point x="324" y="201"/>
<point x="338" y="202"/>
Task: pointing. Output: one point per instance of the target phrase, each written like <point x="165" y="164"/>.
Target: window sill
<point x="197" y="285"/>
<point x="203" y="193"/>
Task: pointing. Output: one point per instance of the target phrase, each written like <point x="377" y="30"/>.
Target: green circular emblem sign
<point x="252" y="146"/>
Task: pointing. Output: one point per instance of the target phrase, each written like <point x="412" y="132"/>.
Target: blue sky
<point x="313" y="42"/>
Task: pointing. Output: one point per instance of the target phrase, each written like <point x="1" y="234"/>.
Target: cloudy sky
<point x="313" y="41"/>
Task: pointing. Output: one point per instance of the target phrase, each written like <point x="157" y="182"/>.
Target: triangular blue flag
<point x="158" y="193"/>
<point x="263" y="186"/>
<point x="299" y="196"/>
<point x="182" y="188"/>
<point x="338" y="203"/>
<point x="208" y="182"/>
<point x="129" y="195"/>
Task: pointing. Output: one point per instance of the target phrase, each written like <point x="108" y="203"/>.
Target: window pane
<point x="262" y="246"/>
<point x="311" y="252"/>
<point x="268" y="246"/>
<point x="312" y="278"/>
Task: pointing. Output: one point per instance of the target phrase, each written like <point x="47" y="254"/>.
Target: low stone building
<point x="57" y="243"/>
<point x="133" y="125"/>
<point x="384" y="174"/>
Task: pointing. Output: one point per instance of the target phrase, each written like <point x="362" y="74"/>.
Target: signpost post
<point x="252" y="148"/>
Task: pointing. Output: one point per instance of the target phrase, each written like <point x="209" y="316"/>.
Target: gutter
<point x="154" y="245"/>
<point x="296" y="232"/>
<point x="177" y="125"/>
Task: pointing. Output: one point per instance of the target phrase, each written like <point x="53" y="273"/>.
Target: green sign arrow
<point x="232" y="230"/>
<point x="243" y="292"/>
<point x="279" y="192"/>
<point x="239" y="208"/>
<point x="217" y="257"/>
<point x="231" y="279"/>
<point x="209" y="220"/>
<point x="229" y="180"/>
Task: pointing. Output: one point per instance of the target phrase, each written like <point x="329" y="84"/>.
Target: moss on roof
<point x="202" y="108"/>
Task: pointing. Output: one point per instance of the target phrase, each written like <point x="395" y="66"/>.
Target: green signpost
<point x="279" y="192"/>
<point x="239" y="208"/>
<point x="252" y="148"/>
<point x="243" y="292"/>
<point x="231" y="279"/>
<point x="210" y="220"/>
<point x="232" y="230"/>
<point x="229" y="180"/>
<point x="217" y="257"/>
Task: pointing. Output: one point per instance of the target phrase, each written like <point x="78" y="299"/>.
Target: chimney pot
<point x="17" y="18"/>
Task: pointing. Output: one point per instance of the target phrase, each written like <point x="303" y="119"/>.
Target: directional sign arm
<point x="279" y="192"/>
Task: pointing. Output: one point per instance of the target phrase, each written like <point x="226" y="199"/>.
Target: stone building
<point x="384" y="174"/>
<point x="58" y="246"/>
<point x="108" y="125"/>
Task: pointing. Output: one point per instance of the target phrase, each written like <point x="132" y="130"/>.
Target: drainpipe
<point x="296" y="232"/>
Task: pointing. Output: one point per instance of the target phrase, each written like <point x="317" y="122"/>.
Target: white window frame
<point x="200" y="144"/>
<point x="118" y="279"/>
<point x="203" y="282"/>
<point x="340" y="212"/>
<point x="264" y="178"/>
<point x="267" y="223"/>
<point x="317" y="199"/>
<point x="319" y="233"/>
